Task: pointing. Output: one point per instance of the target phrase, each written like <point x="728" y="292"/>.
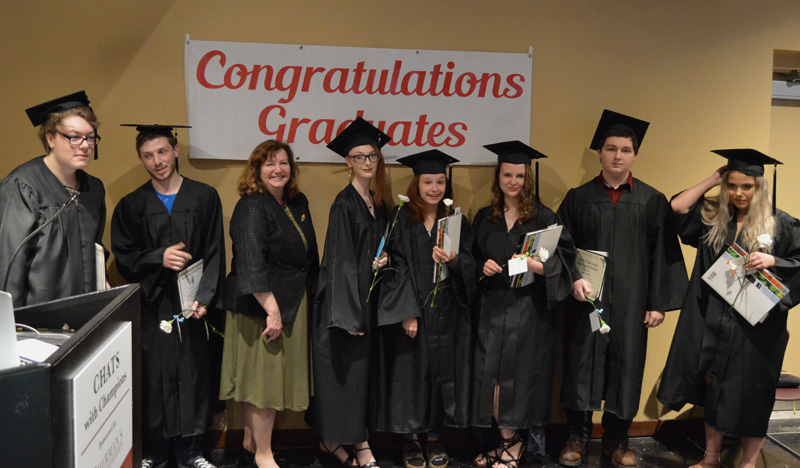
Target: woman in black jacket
<point x="274" y="267"/>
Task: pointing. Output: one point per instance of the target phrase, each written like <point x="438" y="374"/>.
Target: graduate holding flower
<point x="513" y="370"/>
<point x="343" y="323"/>
<point x="717" y="359"/>
<point x="645" y="277"/>
<point x="425" y="345"/>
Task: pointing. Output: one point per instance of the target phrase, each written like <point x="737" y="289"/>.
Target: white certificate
<point x="189" y="283"/>
<point x="99" y="267"/>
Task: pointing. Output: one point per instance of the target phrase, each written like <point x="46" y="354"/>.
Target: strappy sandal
<point x="372" y="464"/>
<point x="329" y="458"/>
<point x="505" y="449"/>
<point x="412" y="455"/>
<point x="484" y="460"/>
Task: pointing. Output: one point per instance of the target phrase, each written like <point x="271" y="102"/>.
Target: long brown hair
<point x="416" y="205"/>
<point x="250" y="180"/>
<point x="380" y="177"/>
<point x="527" y="205"/>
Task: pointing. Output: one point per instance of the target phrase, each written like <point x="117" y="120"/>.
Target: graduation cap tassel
<point x="537" y="182"/>
<point x="774" y="189"/>
<point x="449" y="181"/>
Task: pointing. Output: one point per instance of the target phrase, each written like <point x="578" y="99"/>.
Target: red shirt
<point x="615" y="193"/>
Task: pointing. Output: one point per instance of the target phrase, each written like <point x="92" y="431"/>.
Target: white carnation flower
<point x="543" y="254"/>
<point x="165" y="326"/>
<point x="403" y="198"/>
<point x="605" y="329"/>
<point x="764" y="241"/>
<point x="447" y="202"/>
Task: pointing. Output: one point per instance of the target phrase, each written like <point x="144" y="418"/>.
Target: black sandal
<point x="412" y="455"/>
<point x="488" y="460"/>
<point x="330" y="457"/>
<point x="372" y="464"/>
<point x="436" y="455"/>
<point x="505" y="448"/>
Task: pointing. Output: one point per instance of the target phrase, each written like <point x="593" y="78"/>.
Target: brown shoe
<point x="621" y="456"/>
<point x="572" y="454"/>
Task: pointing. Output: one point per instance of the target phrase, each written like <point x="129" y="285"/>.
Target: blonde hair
<point x="717" y="211"/>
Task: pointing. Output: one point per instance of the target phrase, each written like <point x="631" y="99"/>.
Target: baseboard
<point x="305" y="438"/>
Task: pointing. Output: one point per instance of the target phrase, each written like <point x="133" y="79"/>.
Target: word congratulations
<point x="359" y="80"/>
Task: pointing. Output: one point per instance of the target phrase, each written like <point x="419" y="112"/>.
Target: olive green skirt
<point x="272" y="375"/>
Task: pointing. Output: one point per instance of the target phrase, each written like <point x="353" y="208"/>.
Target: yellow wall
<point x="699" y="71"/>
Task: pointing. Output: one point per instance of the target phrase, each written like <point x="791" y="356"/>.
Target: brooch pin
<point x="302" y="217"/>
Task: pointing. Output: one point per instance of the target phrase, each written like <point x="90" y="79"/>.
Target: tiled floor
<point x="673" y="452"/>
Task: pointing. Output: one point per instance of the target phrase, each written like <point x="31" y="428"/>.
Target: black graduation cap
<point x="156" y="129"/>
<point x="610" y="119"/>
<point x="358" y="133"/>
<point x="517" y="152"/>
<point x="428" y="162"/>
<point x="751" y="162"/>
<point x="39" y="114"/>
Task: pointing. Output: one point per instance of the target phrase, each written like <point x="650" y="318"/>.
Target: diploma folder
<point x="547" y="238"/>
<point x="591" y="264"/>
<point x="753" y="293"/>
<point x="448" y="238"/>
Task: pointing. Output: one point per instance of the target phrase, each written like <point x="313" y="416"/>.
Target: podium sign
<point x="102" y="404"/>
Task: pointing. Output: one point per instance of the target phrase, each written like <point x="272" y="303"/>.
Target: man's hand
<point x="653" y="318"/>
<point x="199" y="309"/>
<point x="175" y="258"/>
<point x="580" y="289"/>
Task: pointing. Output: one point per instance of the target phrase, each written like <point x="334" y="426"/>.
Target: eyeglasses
<point x="78" y="140"/>
<point x="360" y="158"/>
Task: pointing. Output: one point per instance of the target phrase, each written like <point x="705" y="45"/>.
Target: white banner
<point x="240" y="94"/>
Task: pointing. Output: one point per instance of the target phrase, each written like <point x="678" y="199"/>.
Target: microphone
<point x="71" y="200"/>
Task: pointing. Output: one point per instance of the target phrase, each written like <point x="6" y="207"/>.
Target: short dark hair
<point x="144" y="137"/>
<point x="622" y="131"/>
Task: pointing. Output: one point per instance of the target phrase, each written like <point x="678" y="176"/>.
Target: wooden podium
<point x="81" y="406"/>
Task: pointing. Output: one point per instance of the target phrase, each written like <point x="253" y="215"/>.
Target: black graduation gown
<point x="180" y="379"/>
<point x="424" y="380"/>
<point x="744" y="360"/>
<point x="60" y="261"/>
<point x="341" y="361"/>
<point x="516" y="327"/>
<point x="645" y="271"/>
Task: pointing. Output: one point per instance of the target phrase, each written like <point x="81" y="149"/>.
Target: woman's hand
<point x="759" y="261"/>
<point x="491" y="268"/>
<point x="580" y="289"/>
<point x="381" y="262"/>
<point x="534" y="264"/>
<point x="274" y="322"/>
<point x="410" y="326"/>
<point x="716" y="177"/>
<point x="440" y="256"/>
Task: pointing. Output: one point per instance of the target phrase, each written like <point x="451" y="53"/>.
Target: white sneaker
<point x="150" y="463"/>
<point x="198" y="462"/>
